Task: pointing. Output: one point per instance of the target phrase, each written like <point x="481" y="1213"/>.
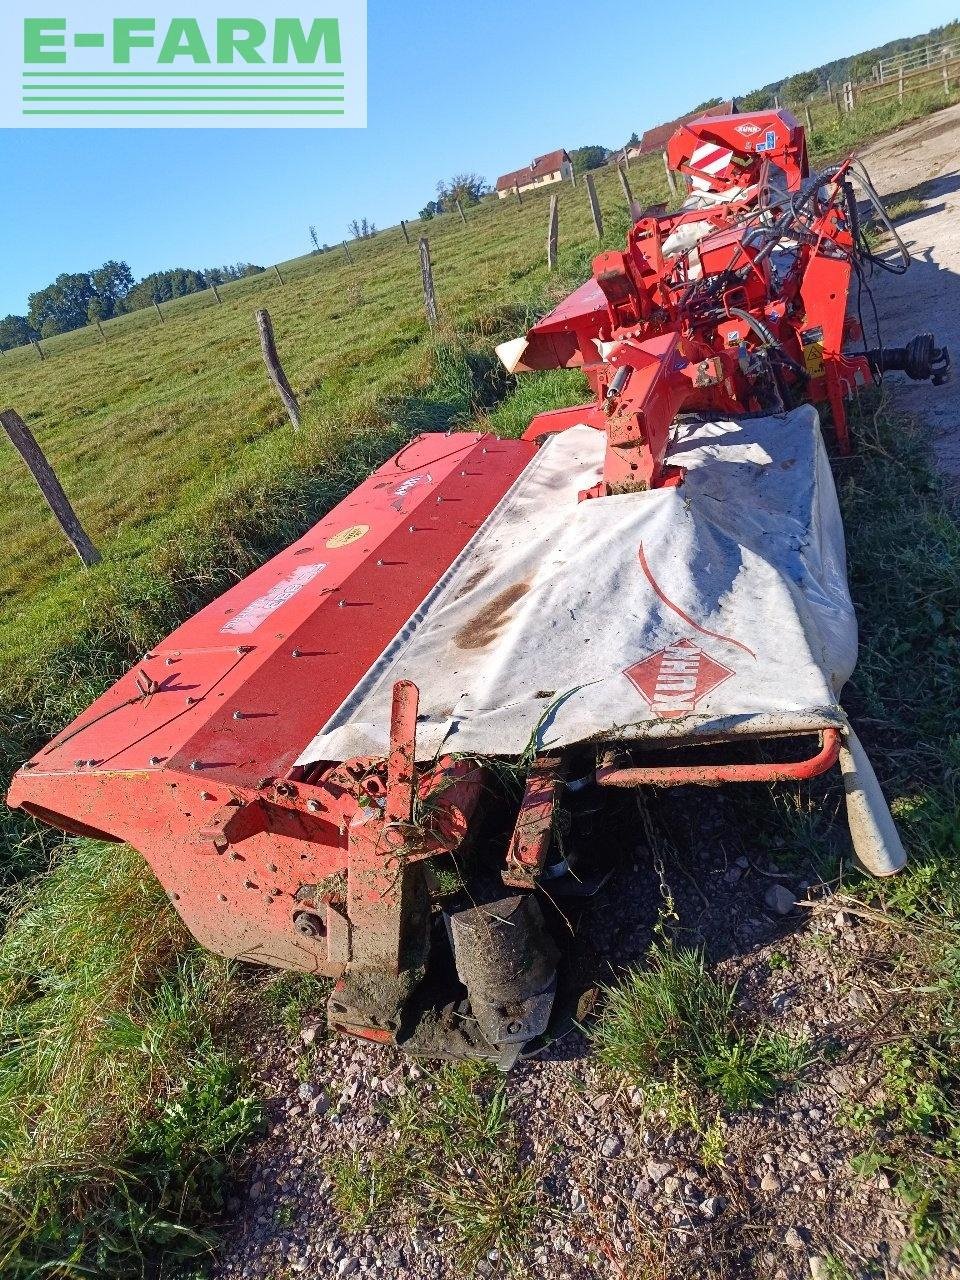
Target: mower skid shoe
<point x="507" y="960"/>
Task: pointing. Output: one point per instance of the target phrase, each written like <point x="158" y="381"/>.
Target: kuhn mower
<point x="646" y="591"/>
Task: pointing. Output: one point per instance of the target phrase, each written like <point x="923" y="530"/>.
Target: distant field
<point x="142" y="428"/>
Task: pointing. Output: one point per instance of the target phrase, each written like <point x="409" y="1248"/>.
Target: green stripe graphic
<point x="162" y="112"/>
<point x="181" y="74"/>
<point x="287" y="97"/>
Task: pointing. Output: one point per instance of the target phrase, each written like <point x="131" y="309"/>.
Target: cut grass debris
<point x="675" y="1031"/>
<point x="453" y="1160"/>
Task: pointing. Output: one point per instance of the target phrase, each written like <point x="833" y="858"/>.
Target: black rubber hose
<point x="768" y="338"/>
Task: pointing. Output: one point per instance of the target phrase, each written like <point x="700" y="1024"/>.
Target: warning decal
<point x="674" y="679"/>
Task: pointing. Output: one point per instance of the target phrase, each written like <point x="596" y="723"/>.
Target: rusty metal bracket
<point x="533" y="831"/>
<point x="714" y="774"/>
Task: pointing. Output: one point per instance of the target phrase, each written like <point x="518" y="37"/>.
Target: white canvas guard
<point x="709" y="610"/>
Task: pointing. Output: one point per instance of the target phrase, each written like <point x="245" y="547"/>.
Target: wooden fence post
<point x="632" y="204"/>
<point x="21" y="437"/>
<point x="463" y="216"/>
<point x="347" y="251"/>
<point x="552" y="230"/>
<point x="277" y="270"/>
<point x="807" y="117"/>
<point x="900" y="85"/>
<point x="406" y="233"/>
<point x="426" y="272"/>
<point x="517" y="193"/>
<point x="39" y="349"/>
<point x="275" y="369"/>
<point x="102" y="334"/>
<point x="946" y="74"/>
<point x="671" y="176"/>
<point x="159" y="312"/>
<point x="573" y="177"/>
<point x="594" y="206"/>
<point x="216" y="292"/>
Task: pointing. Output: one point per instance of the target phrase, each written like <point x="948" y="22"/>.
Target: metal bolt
<point x="271" y="867"/>
<point x="175" y="897"/>
<point x="195" y="765"/>
<point x="295" y="654"/>
<point x="223" y="897"/>
<point x="191" y="701"/>
<point x="248" y="884"/>
<point x="314" y="806"/>
<point x="238" y="715"/>
<point x="245" y="648"/>
<point x="169" y="662"/>
<point x="264" y="782"/>
<point x="205" y="795"/>
<point x="155" y="759"/>
<point x="309" y="925"/>
<point x="513" y="1028"/>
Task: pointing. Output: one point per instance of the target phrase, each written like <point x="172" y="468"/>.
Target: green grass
<point x="675" y="1031"/>
<point x="123" y="1104"/>
<point x="454" y="1161"/>
<point x="120" y="1106"/>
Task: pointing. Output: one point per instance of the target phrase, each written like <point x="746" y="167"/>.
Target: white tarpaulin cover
<point x="711" y="609"/>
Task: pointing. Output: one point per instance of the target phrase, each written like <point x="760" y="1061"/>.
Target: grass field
<point x="121" y="1107"/>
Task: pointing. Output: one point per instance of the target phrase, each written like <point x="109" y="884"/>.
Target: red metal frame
<point x="715" y="774"/>
<point x="192" y="755"/>
<point x="677" y="346"/>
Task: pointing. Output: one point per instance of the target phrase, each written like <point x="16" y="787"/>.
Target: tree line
<point x="79" y="298"/>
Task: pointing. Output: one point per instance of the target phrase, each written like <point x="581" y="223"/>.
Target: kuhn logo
<point x="747" y="130"/>
<point x="674" y="679"/>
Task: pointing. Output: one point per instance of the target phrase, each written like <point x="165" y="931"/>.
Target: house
<point x="553" y="167"/>
<point x="656" y="139"/>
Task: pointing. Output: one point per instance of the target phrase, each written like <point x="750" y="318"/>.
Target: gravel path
<point x="928" y="296"/>
<point x="621" y="1197"/>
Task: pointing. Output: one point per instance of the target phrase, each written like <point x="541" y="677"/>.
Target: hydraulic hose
<point x="768" y="338"/>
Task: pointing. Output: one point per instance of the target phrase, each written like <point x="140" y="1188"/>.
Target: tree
<point x="705" y="106"/>
<point x="111" y="282"/>
<point x="362" y="229"/>
<point x="465" y="187"/>
<point x="15" y="331"/>
<point x="756" y="100"/>
<point x="430" y="210"/>
<point x="313" y="237"/>
<point x="61" y="306"/>
<point x="592" y="157"/>
<point x="801" y="86"/>
<point x="861" y="68"/>
<point x="633" y="140"/>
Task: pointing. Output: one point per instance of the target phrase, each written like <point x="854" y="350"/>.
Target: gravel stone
<point x="780" y="899"/>
<point x="794" y="1240"/>
<point x="657" y="1170"/>
<point x="612" y="1146"/>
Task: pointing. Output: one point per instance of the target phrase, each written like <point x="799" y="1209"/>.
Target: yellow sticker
<point x="346" y="536"/>
<point x="813" y="359"/>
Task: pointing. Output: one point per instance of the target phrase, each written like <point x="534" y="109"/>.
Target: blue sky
<point x="482" y="86"/>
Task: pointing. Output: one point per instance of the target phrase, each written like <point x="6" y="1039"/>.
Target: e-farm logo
<point x="88" y="67"/>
